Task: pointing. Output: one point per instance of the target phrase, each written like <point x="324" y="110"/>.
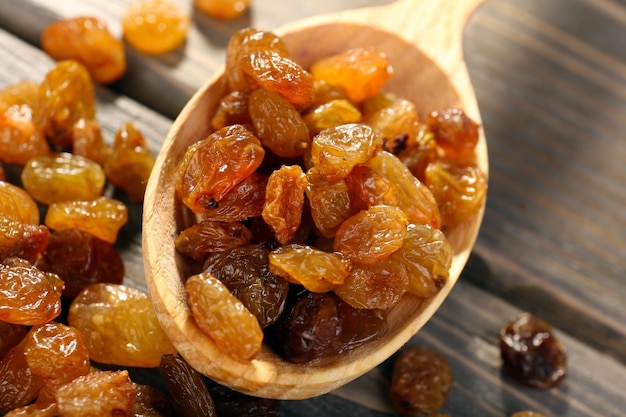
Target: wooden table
<point x="550" y="77"/>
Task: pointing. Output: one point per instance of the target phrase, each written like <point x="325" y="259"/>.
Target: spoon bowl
<point x="423" y="42"/>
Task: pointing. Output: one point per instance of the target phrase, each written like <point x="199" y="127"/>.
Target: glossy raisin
<point x="63" y="177"/>
<point x="81" y="259"/>
<point x="119" y="326"/>
<point x="454" y="131"/>
<point x="273" y="71"/>
<point x="65" y="96"/>
<point x="37" y="409"/>
<point x="87" y="40"/>
<point x="20" y="138"/>
<point x="321" y="325"/>
<point x="245" y="271"/>
<point x="99" y="393"/>
<point x="329" y="202"/>
<point x="28" y="295"/>
<point x="10" y="335"/>
<point x="335" y="151"/>
<point x="26" y="241"/>
<point x="219" y="314"/>
<point x="419" y="154"/>
<point x="459" y="188"/>
<point x="155" y="26"/>
<point x="243" y="201"/>
<point x="360" y="72"/>
<point x="89" y="142"/>
<point x="397" y="124"/>
<point x="331" y="114"/>
<point x="57" y="353"/>
<point x="207" y="237"/>
<point x="371" y="235"/>
<point x="215" y="165"/>
<point x="316" y="270"/>
<point x="18" y="385"/>
<point x="130" y="163"/>
<point x="17" y="205"/>
<point x="102" y="217"/>
<point x="19" y="94"/>
<point x="190" y="394"/>
<point x="278" y="124"/>
<point x="368" y="188"/>
<point x="421" y="381"/>
<point x="531" y="353"/>
<point x="426" y="256"/>
<point x="284" y="199"/>
<point x="232" y="109"/>
<point x="152" y="402"/>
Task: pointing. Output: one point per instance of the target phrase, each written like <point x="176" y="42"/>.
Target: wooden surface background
<point x="550" y="76"/>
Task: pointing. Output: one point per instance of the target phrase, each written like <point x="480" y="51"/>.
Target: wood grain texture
<point x="550" y="77"/>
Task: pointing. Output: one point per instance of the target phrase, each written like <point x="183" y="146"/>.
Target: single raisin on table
<point x="421" y="381"/>
<point x="531" y="353"/>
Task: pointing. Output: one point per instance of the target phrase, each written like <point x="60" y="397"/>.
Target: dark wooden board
<point x="551" y="84"/>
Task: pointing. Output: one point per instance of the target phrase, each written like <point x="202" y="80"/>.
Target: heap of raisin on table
<point x="318" y="201"/>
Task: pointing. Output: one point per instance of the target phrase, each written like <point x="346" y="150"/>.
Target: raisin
<point x="190" y="395"/>
<point x="243" y="201"/>
<point x="245" y="271"/>
<point x="89" y="143"/>
<point x="361" y="72"/>
<point x="65" y="96"/>
<point x="329" y="202"/>
<point x="418" y="155"/>
<point x="119" y="326"/>
<point x="152" y="402"/>
<point x="19" y="94"/>
<point x="155" y="26"/>
<point x="368" y="188"/>
<point x="284" y="199"/>
<point x="34" y="410"/>
<point x="28" y="295"/>
<point x="426" y="255"/>
<point x="26" y="241"/>
<point x="18" y="384"/>
<point x="454" y="131"/>
<point x="223" y="9"/>
<point x="397" y="124"/>
<point x="273" y="71"/>
<point x="421" y="381"/>
<point x="63" y="177"/>
<point x="223" y="317"/>
<point x="230" y="403"/>
<point x="87" y="40"/>
<point x="314" y="269"/>
<point x="335" y="151"/>
<point x="57" y="353"/>
<point x="100" y="393"/>
<point x="531" y="353"/>
<point x="371" y="235"/>
<point x="3" y="174"/>
<point x="321" y="325"/>
<point x="326" y="92"/>
<point x="232" y="109"/>
<point x="81" y="259"/>
<point x="215" y="165"/>
<point x="17" y="205"/>
<point x="20" y="138"/>
<point x="331" y="114"/>
<point x="243" y="43"/>
<point x="412" y="196"/>
<point x="379" y="285"/>
<point x="130" y="163"/>
<point x="102" y="217"/>
<point x="459" y="188"/>
<point x="206" y="237"/>
<point x="278" y="124"/>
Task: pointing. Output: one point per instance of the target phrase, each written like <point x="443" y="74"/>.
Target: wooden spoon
<point x="423" y="41"/>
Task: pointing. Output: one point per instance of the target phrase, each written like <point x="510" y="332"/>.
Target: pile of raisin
<point x="320" y="201"/>
<point x="63" y="308"/>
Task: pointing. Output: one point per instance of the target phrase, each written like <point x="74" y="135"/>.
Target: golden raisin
<point x="99" y="393"/>
<point x="245" y="200"/>
<point x="367" y="188"/>
<point x="206" y="237"/>
<point x="18" y="385"/>
<point x="331" y="114"/>
<point x="284" y="199"/>
<point x="278" y="124"/>
<point x="87" y="40"/>
<point x="371" y="235"/>
<point x="17" y="205"/>
<point x="65" y="96"/>
<point x="155" y="26"/>
<point x="223" y="9"/>
<point x="89" y="143"/>
<point x="312" y="268"/>
<point x="454" y="131"/>
<point x="28" y="295"/>
<point x="360" y="72"/>
<point x="131" y="162"/>
<point x="223" y="317"/>
<point x="22" y="240"/>
<point x="20" y="138"/>
<point x="214" y="166"/>
<point x="102" y="217"/>
<point x="63" y="177"/>
<point x="19" y="94"/>
<point x="10" y="335"/>
<point x="232" y="109"/>
<point x="119" y="326"/>
<point x="329" y="202"/>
